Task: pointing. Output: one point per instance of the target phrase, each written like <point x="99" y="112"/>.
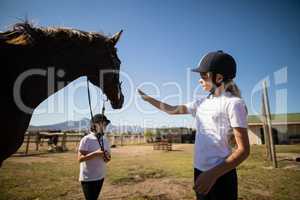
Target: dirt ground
<point x="164" y="188"/>
<point x="137" y="172"/>
<point x="136" y="187"/>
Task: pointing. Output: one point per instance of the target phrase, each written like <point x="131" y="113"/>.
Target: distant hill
<point x="80" y="125"/>
<point x="84" y="125"/>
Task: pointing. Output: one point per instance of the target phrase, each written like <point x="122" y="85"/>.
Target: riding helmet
<point x="217" y="62"/>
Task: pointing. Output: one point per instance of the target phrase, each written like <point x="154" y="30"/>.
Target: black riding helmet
<point x="100" y="118"/>
<point x="217" y="62"/>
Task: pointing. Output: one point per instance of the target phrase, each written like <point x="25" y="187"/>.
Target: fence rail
<point x="163" y="145"/>
<point x="34" y="140"/>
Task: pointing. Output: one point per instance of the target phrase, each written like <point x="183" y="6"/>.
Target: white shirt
<point x="215" y="117"/>
<point x="95" y="168"/>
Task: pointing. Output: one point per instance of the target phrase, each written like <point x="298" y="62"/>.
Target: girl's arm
<point x="238" y="155"/>
<point x="84" y="155"/>
<point x="172" y="110"/>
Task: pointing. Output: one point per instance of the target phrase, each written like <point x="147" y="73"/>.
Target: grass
<point x="138" y="172"/>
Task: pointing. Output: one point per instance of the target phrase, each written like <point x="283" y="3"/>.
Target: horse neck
<point x="48" y="72"/>
<point x="43" y="82"/>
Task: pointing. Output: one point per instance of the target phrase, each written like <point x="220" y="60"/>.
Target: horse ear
<point x="115" y="38"/>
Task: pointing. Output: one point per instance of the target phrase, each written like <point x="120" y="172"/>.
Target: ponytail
<point x="231" y="87"/>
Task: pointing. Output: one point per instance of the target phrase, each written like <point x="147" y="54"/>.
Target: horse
<point x="29" y="53"/>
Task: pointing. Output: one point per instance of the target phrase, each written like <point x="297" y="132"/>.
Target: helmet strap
<point x="215" y="85"/>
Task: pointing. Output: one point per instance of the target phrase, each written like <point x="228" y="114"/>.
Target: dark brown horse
<point x="28" y="54"/>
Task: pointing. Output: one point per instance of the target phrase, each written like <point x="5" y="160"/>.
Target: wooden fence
<point x="163" y="145"/>
<point x="33" y="141"/>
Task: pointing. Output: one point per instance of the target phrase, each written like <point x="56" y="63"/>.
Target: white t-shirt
<point x="215" y="117"/>
<point x="93" y="169"/>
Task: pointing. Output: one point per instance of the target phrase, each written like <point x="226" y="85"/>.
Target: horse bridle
<point x="115" y="63"/>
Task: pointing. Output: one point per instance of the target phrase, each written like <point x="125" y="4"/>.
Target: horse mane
<point x="26" y="34"/>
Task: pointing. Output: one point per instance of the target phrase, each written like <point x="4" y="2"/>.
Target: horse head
<point x="108" y="78"/>
<point x="78" y="53"/>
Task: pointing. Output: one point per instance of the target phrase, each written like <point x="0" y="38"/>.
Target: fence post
<point x="37" y="141"/>
<point x="27" y="144"/>
<point x="266" y="134"/>
<point x="121" y="140"/>
<point x="63" y="142"/>
<point x="269" y="123"/>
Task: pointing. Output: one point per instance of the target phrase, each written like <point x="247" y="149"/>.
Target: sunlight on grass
<point x="55" y="176"/>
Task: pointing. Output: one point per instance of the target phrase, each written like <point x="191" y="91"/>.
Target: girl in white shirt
<point x="93" y="154"/>
<point x="219" y="117"/>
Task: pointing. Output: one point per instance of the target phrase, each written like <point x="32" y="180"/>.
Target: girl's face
<point x="206" y="81"/>
<point x="100" y="127"/>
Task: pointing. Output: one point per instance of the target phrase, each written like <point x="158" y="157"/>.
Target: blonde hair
<point x="231" y="87"/>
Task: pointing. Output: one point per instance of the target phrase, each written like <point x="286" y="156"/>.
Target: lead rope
<point x="99" y="136"/>
<point x="89" y="98"/>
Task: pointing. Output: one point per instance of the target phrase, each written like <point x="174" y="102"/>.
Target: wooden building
<point x="286" y="129"/>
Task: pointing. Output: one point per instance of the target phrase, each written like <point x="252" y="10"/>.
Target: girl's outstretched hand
<point x="143" y="95"/>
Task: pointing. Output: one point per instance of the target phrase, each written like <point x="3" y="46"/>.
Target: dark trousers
<point x="91" y="189"/>
<point x="226" y="187"/>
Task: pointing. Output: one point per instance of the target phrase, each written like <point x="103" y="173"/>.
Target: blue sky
<point x="163" y="39"/>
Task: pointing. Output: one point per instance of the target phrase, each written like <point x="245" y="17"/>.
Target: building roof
<point x="277" y="119"/>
